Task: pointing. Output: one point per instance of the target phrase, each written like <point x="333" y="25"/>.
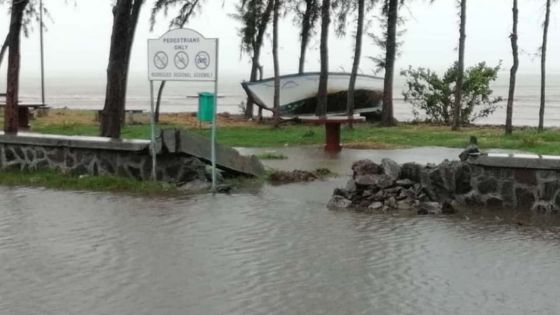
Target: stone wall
<point x="516" y="182"/>
<point x="492" y="180"/>
<point x="80" y="161"/>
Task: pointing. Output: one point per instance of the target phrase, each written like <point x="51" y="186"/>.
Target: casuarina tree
<point x="543" y="64"/>
<point x="254" y="16"/>
<point x="12" y="90"/>
<point x="361" y="8"/>
<point x="276" y="15"/>
<point x="461" y="66"/>
<point x="513" y="72"/>
<point x="125" y="19"/>
<point x="391" y="11"/>
<point x="321" y="110"/>
<point x="307" y="13"/>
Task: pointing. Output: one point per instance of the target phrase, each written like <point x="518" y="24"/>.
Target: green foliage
<point x="56" y="180"/>
<point x="435" y="96"/>
<point x="271" y="155"/>
<point x="187" y="9"/>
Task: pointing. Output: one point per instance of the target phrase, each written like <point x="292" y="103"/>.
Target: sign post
<point x="184" y="55"/>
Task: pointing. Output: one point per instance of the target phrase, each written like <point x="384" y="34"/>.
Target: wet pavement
<point x="277" y="250"/>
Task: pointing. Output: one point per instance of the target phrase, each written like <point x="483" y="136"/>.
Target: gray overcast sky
<point x="77" y="40"/>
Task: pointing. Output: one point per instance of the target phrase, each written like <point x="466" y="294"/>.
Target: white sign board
<point x="182" y="55"/>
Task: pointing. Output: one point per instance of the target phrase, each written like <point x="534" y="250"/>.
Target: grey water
<point x="271" y="250"/>
<point x="88" y="93"/>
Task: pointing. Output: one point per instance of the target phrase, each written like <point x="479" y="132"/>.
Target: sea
<point x="89" y="93"/>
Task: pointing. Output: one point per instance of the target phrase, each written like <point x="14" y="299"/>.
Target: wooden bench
<point x="332" y="130"/>
<point x="24" y="113"/>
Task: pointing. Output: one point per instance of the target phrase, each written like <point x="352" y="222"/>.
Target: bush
<point x="435" y="96"/>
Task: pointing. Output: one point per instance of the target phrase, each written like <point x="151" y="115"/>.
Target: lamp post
<point x="42" y="52"/>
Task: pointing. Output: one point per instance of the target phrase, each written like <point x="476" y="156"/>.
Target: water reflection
<point x="278" y="251"/>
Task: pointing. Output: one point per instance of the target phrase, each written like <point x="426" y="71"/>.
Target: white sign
<point x="182" y="55"/>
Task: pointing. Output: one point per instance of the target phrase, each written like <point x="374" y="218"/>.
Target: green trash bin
<point x="205" y="106"/>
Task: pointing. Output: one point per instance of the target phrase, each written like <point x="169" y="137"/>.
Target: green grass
<point x="362" y="136"/>
<point x="271" y="155"/>
<point x="56" y="180"/>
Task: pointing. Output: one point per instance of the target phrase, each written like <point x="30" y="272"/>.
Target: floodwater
<point x="275" y="250"/>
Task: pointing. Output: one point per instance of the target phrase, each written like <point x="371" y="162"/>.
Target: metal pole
<point x="42" y="52"/>
<point x="214" y="120"/>
<point x="153" y="127"/>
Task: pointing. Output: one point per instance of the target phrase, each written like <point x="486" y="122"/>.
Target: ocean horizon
<point x="89" y="93"/>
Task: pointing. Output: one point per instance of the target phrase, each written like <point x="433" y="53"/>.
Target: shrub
<point x="435" y="96"/>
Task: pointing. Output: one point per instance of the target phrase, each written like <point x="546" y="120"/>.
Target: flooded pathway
<point x="274" y="251"/>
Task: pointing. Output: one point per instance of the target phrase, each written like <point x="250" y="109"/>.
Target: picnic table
<point x="332" y="129"/>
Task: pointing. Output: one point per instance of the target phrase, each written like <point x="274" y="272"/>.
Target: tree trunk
<point x="158" y="102"/>
<point x="276" y="113"/>
<point x="125" y="15"/>
<point x="357" y="56"/>
<point x="513" y="71"/>
<point x="321" y="110"/>
<point x="543" y="66"/>
<point x="4" y="48"/>
<point x="12" y="90"/>
<point x="306" y="25"/>
<point x="257" y="45"/>
<point x="460" y="68"/>
<point x="387" y="118"/>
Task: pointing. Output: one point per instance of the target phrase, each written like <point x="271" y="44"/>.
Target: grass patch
<point x="271" y="155"/>
<point x="56" y="180"/>
<point x="363" y="136"/>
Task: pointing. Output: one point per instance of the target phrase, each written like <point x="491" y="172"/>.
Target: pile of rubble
<point x="409" y="187"/>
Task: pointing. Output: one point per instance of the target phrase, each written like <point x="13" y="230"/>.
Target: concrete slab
<point x="101" y="143"/>
<point x="526" y="161"/>
<point x="227" y="158"/>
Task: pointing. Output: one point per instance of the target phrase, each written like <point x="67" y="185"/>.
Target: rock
<point x="342" y="192"/>
<point x="391" y="168"/>
<point x="195" y="186"/>
<point x="379" y="196"/>
<point x="339" y="202"/>
<point x="488" y="185"/>
<point x="391" y="202"/>
<point x="429" y="208"/>
<point x="448" y="208"/>
<point x="407" y="194"/>
<point x="384" y="181"/>
<point x="365" y="167"/>
<point x="494" y="202"/>
<point x="351" y="185"/>
<point x="224" y="189"/>
<point x="377" y="205"/>
<point x="405" y="204"/>
<point x="405" y="183"/>
<point x="472" y="148"/>
<point x="463" y="176"/>
<point x="411" y="171"/>
<point x="366" y="180"/>
<point x="525" y="198"/>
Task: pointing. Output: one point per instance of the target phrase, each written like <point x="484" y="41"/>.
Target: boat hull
<point x="298" y="93"/>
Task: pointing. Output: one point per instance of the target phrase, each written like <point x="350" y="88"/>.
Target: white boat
<point x="298" y="93"/>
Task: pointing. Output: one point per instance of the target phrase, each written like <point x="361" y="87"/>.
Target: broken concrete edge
<point x="227" y="158"/>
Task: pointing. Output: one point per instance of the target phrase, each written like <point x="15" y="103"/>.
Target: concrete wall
<point x="96" y="156"/>
<point x="519" y="181"/>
